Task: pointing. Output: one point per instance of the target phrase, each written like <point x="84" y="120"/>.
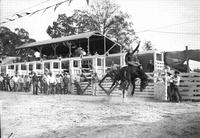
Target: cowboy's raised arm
<point x="136" y="47"/>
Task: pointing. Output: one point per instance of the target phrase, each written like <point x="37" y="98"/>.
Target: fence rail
<point x="147" y="93"/>
<point x="190" y="86"/>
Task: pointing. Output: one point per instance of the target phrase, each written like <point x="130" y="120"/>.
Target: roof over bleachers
<point x="61" y="39"/>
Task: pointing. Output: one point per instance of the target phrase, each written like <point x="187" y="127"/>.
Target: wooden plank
<point x="190" y="93"/>
<point x="185" y="90"/>
<point x="189" y="78"/>
<point x="190" y="83"/>
<point x="146" y="90"/>
<point x="187" y="97"/>
<point x="189" y="74"/>
<point x="186" y="94"/>
<point x="143" y="96"/>
<point x="195" y="98"/>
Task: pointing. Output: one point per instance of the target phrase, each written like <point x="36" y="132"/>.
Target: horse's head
<point x="144" y="82"/>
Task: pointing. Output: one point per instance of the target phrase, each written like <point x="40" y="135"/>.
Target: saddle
<point x="135" y="64"/>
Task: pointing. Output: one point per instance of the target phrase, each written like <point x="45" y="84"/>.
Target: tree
<point x="23" y="35"/>
<point x="10" y="40"/>
<point x="147" y="46"/>
<point x="103" y="16"/>
<point x="62" y="27"/>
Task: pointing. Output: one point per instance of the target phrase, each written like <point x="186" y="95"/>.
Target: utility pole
<point x="187" y="58"/>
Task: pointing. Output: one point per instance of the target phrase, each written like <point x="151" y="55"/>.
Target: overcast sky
<point x="173" y="23"/>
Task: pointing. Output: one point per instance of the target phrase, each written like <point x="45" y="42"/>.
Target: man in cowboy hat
<point x="176" y="83"/>
<point x="169" y="86"/>
<point x="35" y="83"/>
<point x="132" y="60"/>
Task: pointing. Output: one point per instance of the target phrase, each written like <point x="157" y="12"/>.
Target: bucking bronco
<point x="127" y="74"/>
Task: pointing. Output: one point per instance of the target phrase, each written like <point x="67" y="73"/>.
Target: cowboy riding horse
<point x="127" y="74"/>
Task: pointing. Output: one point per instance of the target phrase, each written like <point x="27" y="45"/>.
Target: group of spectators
<point x="15" y="83"/>
<point x="50" y="84"/>
<point x="45" y="84"/>
<point x="173" y="82"/>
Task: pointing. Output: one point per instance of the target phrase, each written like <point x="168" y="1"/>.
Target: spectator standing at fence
<point x="58" y="84"/>
<point x="4" y="82"/>
<point x="15" y="80"/>
<point x="35" y="83"/>
<point x="7" y="83"/>
<point x="1" y="82"/>
<point x="176" y="83"/>
<point x="150" y="66"/>
<point x="45" y="80"/>
<point x="169" y="86"/>
<point x="69" y="83"/>
<point x="52" y="82"/>
<point x="21" y="83"/>
<point x="94" y="83"/>
<point x="26" y="83"/>
<point x="65" y="83"/>
<point x="40" y="83"/>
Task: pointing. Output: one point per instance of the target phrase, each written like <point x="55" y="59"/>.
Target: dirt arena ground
<point x="24" y="115"/>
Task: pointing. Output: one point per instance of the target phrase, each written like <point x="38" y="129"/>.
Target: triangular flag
<point x="70" y="2"/>
<point x="46" y="8"/>
<point x="87" y="2"/>
<point x="3" y="22"/>
<point x="57" y="6"/>
<point x="10" y="19"/>
<point x="19" y="16"/>
<point x="35" y="12"/>
<point x="27" y="13"/>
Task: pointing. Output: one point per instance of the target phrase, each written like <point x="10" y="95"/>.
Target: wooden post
<point x="69" y="45"/>
<point x="27" y="67"/>
<point x="122" y="60"/>
<point x="60" y="65"/>
<point x="40" y="50"/>
<point x="0" y="68"/>
<point x="104" y="65"/>
<point x="19" y="69"/>
<point x="34" y="66"/>
<point x="94" y="64"/>
<point x="71" y="69"/>
<point x="104" y="44"/>
<point x="42" y="64"/>
<point x="54" y="50"/>
<point x="70" y="50"/>
<point x="187" y="59"/>
<point x="88" y="52"/>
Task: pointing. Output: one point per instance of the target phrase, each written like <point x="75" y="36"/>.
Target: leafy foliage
<point x="148" y="46"/>
<point x="10" y="40"/>
<point x="23" y="35"/>
<point x="103" y="16"/>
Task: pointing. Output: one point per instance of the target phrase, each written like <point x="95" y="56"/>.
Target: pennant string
<point x="32" y="13"/>
<point x="46" y="9"/>
<point x="57" y="5"/>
